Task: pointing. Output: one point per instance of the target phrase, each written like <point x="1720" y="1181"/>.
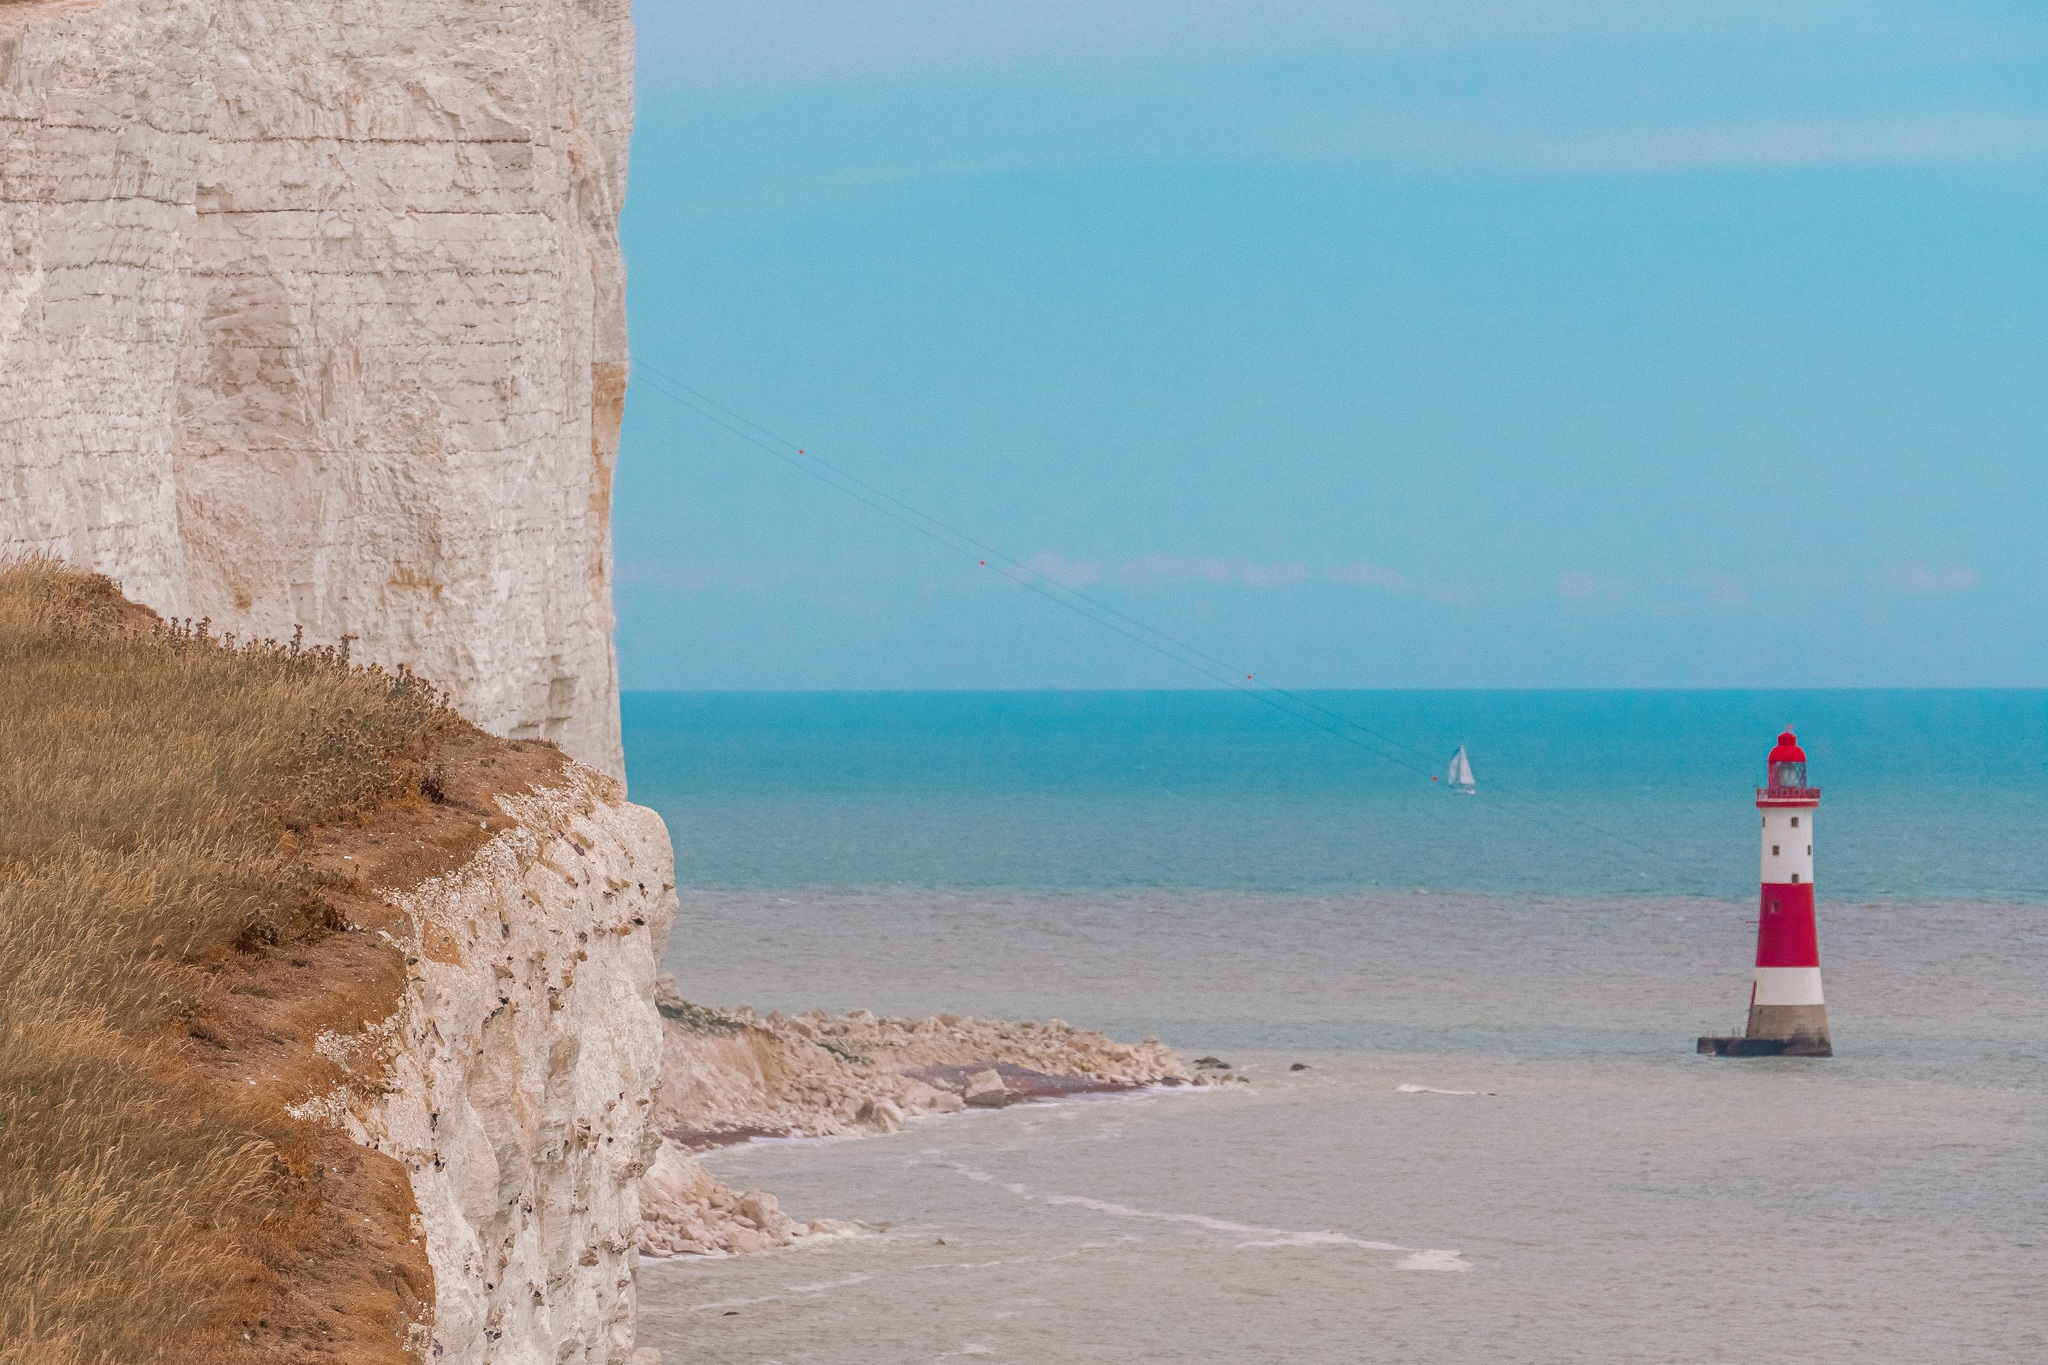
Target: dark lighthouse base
<point x="1777" y="1031"/>
<point x="1766" y="1047"/>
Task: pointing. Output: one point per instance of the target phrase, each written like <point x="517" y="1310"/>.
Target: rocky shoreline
<point x="731" y="1076"/>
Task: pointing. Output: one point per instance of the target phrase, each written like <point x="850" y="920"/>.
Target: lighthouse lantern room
<point x="1787" y="1016"/>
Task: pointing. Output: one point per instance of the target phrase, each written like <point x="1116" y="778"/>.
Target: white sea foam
<point x="1434" y="1260"/>
<point x="1409" y="1089"/>
<point x="996" y="1264"/>
<point x="842" y="1282"/>
<point x="822" y="1287"/>
<point x="845" y="1233"/>
<point x="1254" y="1235"/>
<point x="1268" y="1237"/>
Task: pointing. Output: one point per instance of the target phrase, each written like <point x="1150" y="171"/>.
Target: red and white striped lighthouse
<point x="1787" y="1016"/>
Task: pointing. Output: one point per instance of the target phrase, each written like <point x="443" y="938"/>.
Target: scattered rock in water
<point x="881" y="1115"/>
<point x="685" y="1211"/>
<point x="1211" y="1064"/>
<point x="985" y="1090"/>
<point x="917" y="1097"/>
<point x="1299" y="1066"/>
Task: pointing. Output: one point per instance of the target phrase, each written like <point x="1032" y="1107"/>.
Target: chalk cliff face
<point x="517" y="1080"/>
<point x="311" y="313"/>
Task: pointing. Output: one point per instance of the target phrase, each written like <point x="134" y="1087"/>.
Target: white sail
<point x="1461" y="771"/>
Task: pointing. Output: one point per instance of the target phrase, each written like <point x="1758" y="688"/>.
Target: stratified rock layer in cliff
<point x="311" y="313"/>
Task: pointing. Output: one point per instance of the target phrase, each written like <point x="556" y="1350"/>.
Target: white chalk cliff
<point x="311" y="313"/>
<point x="517" y="1079"/>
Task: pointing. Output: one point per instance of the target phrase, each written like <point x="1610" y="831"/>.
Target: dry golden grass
<point x="156" y="789"/>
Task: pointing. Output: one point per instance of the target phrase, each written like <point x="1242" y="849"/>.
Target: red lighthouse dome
<point x="1787" y="764"/>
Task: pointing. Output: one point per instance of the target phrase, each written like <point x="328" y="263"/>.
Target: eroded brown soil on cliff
<point x="350" y="1277"/>
<point x="192" y="832"/>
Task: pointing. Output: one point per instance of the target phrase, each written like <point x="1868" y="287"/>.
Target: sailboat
<point x="1461" y="774"/>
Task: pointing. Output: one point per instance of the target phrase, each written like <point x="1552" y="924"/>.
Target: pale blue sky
<point x="1413" y="345"/>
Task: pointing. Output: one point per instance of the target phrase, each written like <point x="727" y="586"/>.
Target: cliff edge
<point x="516" y="1077"/>
<point x="328" y="1022"/>
<point x="312" y="313"/>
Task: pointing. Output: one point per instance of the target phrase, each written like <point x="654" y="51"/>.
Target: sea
<point x="1475" y="1126"/>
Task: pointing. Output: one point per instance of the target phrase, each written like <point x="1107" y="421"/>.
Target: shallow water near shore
<point x="1601" y="1194"/>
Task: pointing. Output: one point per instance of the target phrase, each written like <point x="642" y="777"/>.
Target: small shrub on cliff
<point x="155" y="782"/>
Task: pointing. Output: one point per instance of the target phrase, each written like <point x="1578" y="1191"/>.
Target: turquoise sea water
<point x="1196" y="866"/>
<point x="1928" y="794"/>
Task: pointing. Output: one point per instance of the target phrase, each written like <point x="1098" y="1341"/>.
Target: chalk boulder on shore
<point x="985" y="1089"/>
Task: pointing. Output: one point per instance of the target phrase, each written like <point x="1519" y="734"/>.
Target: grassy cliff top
<point x="171" y="901"/>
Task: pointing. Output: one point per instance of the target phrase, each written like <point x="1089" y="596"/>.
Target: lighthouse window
<point x="1774" y="850"/>
<point x="1809" y="850"/>
<point x="1795" y="879"/>
<point x="1795" y="822"/>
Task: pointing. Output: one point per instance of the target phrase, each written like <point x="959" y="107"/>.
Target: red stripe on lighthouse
<point x="1785" y="932"/>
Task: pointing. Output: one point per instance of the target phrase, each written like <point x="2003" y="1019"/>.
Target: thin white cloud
<point x="1584" y="587"/>
<point x="1068" y="573"/>
<point x="1724" y="590"/>
<point x="1158" y="570"/>
<point x="1274" y="575"/>
<point x="728" y="44"/>
<point x="1150" y="569"/>
<point x="1368" y="576"/>
<point x="1178" y="569"/>
<point x="1433" y="144"/>
<point x="1918" y="579"/>
<point x="695" y="579"/>
<point x="1776" y="144"/>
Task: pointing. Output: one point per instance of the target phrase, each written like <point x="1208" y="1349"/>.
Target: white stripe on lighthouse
<point x="1788" y="848"/>
<point x="1788" y="986"/>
